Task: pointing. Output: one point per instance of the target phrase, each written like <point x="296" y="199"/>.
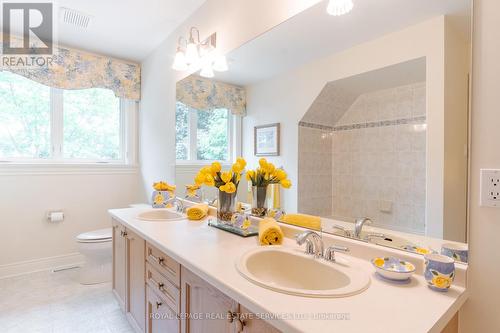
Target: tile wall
<point x="378" y="160"/>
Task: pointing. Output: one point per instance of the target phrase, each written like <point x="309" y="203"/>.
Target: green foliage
<point x="91" y="124"/>
<point x="24" y="117"/>
<point x="181" y="131"/>
<point x="211" y="136"/>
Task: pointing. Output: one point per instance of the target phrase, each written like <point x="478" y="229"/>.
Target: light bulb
<point x="339" y="7"/>
<point x="179" y="61"/>
<point x="220" y="64"/>
<point x="207" y="71"/>
<point x="192" y="55"/>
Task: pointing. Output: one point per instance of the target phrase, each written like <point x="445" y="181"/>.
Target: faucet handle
<point x="314" y="243"/>
<point x="330" y="252"/>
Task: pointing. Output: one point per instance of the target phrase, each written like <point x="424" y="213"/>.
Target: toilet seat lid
<point x="95" y="235"/>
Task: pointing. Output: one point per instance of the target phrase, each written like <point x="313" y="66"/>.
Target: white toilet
<point x="96" y="247"/>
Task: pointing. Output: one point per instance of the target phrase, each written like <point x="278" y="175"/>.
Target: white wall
<point x="235" y="22"/>
<point x="480" y="313"/>
<point x="286" y="98"/>
<point x="84" y="198"/>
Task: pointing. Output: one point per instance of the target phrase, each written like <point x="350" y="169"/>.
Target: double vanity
<point x="175" y="275"/>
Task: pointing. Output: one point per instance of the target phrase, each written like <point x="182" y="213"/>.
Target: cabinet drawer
<point x="163" y="287"/>
<point x="159" y="317"/>
<point x="164" y="264"/>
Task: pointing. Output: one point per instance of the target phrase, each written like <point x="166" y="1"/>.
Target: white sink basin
<point x="389" y="240"/>
<point x="160" y="214"/>
<point x="291" y="271"/>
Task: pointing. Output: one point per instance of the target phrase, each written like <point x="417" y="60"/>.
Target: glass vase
<point x="259" y="202"/>
<point x="226" y="206"/>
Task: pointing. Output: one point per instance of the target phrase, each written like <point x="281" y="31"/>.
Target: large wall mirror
<point x="373" y="110"/>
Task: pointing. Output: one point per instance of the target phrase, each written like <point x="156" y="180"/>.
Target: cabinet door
<point x="205" y="308"/>
<point x="252" y="324"/>
<point x="159" y="317"/>
<point x="136" y="295"/>
<point x="119" y="264"/>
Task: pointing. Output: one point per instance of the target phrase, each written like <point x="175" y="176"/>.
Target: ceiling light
<point x="220" y="64"/>
<point x="207" y="71"/>
<point x="339" y="7"/>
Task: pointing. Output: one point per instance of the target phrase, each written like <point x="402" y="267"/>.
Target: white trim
<point x="17" y="169"/>
<point x="40" y="265"/>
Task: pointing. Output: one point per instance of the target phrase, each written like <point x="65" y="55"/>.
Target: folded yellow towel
<point x="197" y="212"/>
<point x="303" y="220"/>
<point x="270" y="232"/>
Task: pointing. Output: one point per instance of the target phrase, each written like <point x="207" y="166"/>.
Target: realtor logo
<point x="33" y="23"/>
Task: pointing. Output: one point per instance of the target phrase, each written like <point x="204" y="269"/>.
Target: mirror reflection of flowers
<point x="192" y="191"/>
<point x="267" y="174"/>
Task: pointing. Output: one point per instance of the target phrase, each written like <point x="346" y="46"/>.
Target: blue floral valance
<point x="75" y="69"/>
<point x="205" y="94"/>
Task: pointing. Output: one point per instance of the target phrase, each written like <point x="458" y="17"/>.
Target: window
<point x="39" y="123"/>
<point x="202" y="135"/>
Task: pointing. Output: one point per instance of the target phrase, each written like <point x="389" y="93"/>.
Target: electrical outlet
<point x="490" y="188"/>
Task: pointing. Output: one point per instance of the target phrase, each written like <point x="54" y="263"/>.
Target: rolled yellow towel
<point x="197" y="212"/>
<point x="270" y="232"/>
<point x="303" y="220"/>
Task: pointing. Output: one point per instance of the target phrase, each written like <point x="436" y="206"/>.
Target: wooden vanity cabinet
<point x="206" y="308"/>
<point x="136" y="289"/>
<point x="252" y="324"/>
<point x="119" y="264"/>
<point x="160" y="296"/>
<point x="159" y="317"/>
<point x="128" y="274"/>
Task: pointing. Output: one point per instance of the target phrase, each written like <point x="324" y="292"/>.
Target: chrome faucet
<point x="314" y="246"/>
<point x="347" y="233"/>
<point x="177" y="203"/>
<point x="358" y="226"/>
<point x="330" y="252"/>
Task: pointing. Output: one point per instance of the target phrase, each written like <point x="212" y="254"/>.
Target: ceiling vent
<point x="75" y="18"/>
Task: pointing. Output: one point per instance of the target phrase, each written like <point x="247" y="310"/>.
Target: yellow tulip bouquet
<point x="261" y="177"/>
<point x="226" y="181"/>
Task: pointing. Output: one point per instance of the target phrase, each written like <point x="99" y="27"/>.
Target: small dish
<point x="418" y="249"/>
<point x="393" y="268"/>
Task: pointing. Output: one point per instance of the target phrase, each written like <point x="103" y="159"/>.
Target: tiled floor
<point x="49" y="302"/>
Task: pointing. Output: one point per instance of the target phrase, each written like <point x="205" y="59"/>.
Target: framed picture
<point x="267" y="140"/>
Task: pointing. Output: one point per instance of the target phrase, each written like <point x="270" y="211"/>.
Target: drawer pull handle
<point x="158" y="304"/>
<point x="161" y="261"/>
<point x="161" y="288"/>
<point x="236" y="317"/>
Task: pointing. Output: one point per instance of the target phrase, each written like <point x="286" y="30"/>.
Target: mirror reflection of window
<point x="202" y="135"/>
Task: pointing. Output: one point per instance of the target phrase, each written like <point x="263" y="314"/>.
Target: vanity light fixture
<point x="339" y="7"/>
<point x="180" y="63"/>
<point x="196" y="54"/>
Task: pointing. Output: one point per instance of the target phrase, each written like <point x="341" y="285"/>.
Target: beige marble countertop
<point x="383" y="307"/>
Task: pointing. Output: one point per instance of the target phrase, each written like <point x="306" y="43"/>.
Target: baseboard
<point x="39" y="265"/>
<point x="133" y="323"/>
